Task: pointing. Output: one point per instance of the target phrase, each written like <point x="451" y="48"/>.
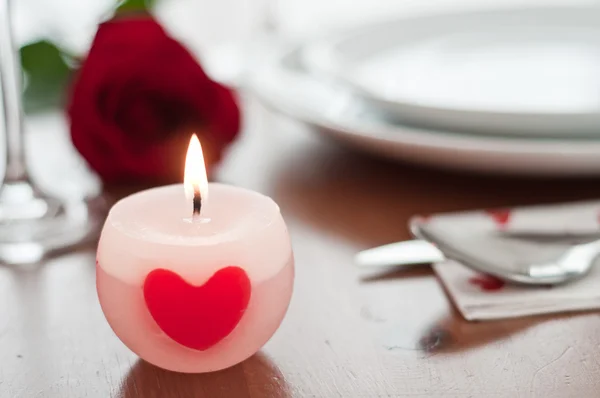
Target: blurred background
<point x="473" y="95"/>
<point x="229" y="37"/>
<point x="203" y="23"/>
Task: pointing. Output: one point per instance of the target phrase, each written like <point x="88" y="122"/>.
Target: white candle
<point x="195" y="293"/>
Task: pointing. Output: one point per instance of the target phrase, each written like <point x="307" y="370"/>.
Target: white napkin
<point x="481" y="297"/>
<point x="511" y="239"/>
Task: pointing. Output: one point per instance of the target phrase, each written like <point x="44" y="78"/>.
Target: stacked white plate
<point x="507" y="91"/>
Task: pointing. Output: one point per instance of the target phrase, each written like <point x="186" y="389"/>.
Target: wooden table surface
<point x="347" y="333"/>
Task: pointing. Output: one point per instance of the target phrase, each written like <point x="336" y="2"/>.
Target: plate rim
<point x="318" y="56"/>
<point x="579" y="156"/>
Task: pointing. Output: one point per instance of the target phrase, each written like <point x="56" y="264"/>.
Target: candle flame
<point x="194" y="177"/>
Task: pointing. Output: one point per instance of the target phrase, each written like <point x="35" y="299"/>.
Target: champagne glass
<point x="33" y="223"/>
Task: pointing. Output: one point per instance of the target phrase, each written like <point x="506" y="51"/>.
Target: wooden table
<point x="347" y="334"/>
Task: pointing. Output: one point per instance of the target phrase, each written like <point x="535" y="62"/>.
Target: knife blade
<point x="410" y="252"/>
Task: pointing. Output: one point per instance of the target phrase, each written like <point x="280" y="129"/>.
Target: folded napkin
<point x="482" y="297"/>
<point x="512" y="238"/>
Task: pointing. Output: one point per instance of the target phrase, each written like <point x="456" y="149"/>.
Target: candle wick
<point x="197" y="201"/>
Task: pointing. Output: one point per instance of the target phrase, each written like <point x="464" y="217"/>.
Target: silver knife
<point x="409" y="252"/>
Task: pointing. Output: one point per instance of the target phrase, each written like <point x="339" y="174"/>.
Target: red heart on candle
<point x="197" y="317"/>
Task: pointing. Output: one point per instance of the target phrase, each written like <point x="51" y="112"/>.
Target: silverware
<point x="574" y="263"/>
<point x="416" y="252"/>
<point x="410" y="252"/>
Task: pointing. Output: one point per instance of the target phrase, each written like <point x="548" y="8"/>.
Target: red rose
<point x="137" y="99"/>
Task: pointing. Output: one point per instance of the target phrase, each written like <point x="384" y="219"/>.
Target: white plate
<point x="520" y="72"/>
<point x="284" y="86"/>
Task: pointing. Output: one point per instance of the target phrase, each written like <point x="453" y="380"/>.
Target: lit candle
<point x="195" y="278"/>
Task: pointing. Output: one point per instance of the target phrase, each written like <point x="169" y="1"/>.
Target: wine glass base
<point x="34" y="225"/>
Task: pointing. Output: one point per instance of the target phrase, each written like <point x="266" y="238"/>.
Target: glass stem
<point x="10" y="86"/>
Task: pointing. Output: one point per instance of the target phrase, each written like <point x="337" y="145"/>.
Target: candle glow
<point x="194" y="177"/>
